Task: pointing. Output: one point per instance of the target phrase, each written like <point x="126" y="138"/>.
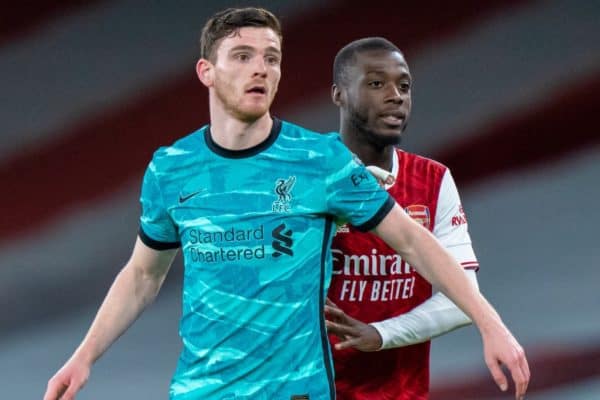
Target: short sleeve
<point x="157" y="229"/>
<point x="451" y="227"/>
<point x="353" y="194"/>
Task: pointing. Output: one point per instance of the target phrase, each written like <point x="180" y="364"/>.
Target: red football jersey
<point x="371" y="282"/>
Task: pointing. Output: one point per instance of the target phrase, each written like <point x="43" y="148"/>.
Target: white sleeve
<point x="436" y="316"/>
<point x="451" y="227"/>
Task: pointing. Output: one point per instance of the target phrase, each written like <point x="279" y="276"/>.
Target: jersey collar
<point x="395" y="166"/>
<point x="249" y="152"/>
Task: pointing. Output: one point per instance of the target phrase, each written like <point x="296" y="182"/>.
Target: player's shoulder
<point x="295" y="131"/>
<point x="171" y="155"/>
<point x="326" y="144"/>
<point x="408" y="158"/>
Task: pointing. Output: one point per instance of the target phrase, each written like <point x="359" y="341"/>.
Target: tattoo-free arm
<point x="420" y="249"/>
<point x="434" y="317"/>
<point x="133" y="289"/>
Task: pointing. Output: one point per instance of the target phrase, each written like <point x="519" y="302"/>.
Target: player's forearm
<point x="420" y="249"/>
<point x="130" y="293"/>
<point x="436" y="316"/>
<point x="437" y="265"/>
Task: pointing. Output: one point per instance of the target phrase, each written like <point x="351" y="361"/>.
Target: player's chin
<point x="253" y="112"/>
<point x="388" y="134"/>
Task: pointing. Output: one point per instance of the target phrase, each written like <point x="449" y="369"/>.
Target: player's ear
<point x="205" y="72"/>
<point x="336" y="95"/>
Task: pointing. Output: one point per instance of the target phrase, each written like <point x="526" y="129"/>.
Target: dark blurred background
<point x="506" y="93"/>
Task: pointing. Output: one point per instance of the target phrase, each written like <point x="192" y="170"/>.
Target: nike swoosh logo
<point x="183" y="199"/>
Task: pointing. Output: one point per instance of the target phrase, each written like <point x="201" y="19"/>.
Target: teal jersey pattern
<point x="255" y="228"/>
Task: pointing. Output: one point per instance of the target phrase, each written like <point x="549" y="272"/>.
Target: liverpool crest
<point x="283" y="189"/>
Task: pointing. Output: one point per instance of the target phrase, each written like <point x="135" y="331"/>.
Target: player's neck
<point x="369" y="153"/>
<point x="234" y="134"/>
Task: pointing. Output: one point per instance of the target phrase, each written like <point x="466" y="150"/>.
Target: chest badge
<point x="283" y="190"/>
<point x="420" y="214"/>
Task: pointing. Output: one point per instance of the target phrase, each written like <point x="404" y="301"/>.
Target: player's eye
<point x="272" y="60"/>
<point x="404" y="86"/>
<point x="243" y="57"/>
<point x="376" y="84"/>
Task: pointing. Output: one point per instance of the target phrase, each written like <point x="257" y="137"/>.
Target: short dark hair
<point x="229" y="21"/>
<point x="347" y="55"/>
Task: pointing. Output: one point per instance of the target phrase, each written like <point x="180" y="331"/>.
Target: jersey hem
<point x="155" y="244"/>
<point x="379" y="215"/>
<point x="473" y="265"/>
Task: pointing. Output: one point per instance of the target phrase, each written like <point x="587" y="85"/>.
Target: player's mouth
<point x="393" y="118"/>
<point x="257" y="89"/>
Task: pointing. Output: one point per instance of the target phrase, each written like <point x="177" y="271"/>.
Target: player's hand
<point x="501" y="348"/>
<point x="383" y="177"/>
<point x="351" y="332"/>
<point x="65" y="384"/>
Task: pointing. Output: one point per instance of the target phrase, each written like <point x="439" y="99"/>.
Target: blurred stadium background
<point x="507" y="93"/>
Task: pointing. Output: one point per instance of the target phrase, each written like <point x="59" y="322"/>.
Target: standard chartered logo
<point x="233" y="244"/>
<point x="282" y="241"/>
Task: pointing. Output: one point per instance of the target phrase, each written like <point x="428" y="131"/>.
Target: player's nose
<point x="394" y="94"/>
<point x="260" y="66"/>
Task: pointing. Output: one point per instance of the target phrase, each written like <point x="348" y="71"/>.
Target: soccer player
<point x="252" y="202"/>
<point x="376" y="299"/>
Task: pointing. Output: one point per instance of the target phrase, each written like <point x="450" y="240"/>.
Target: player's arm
<point x="434" y="317"/>
<point x="136" y="286"/>
<point x="420" y="249"/>
<point x="437" y="315"/>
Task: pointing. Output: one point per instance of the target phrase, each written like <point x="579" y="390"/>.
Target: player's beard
<point x="361" y="124"/>
<point x="225" y="92"/>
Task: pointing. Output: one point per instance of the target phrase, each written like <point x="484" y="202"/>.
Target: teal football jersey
<point x="255" y="227"/>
